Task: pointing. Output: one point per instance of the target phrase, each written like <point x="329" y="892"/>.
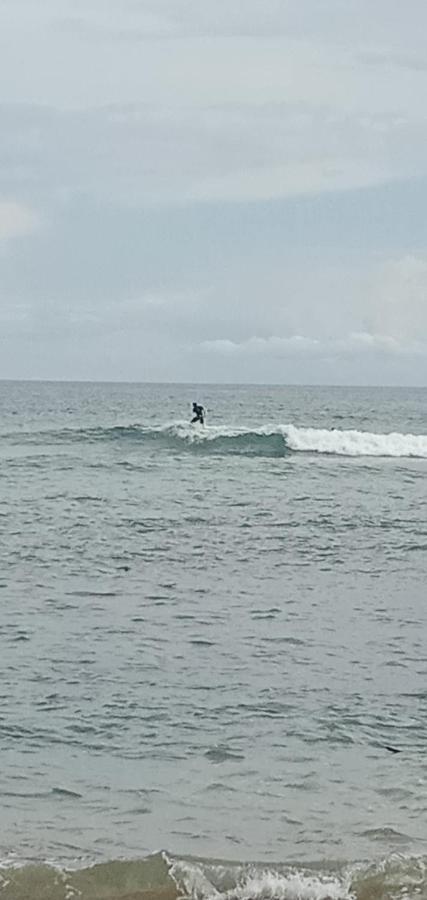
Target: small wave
<point x="145" y="879"/>
<point x="65" y="792"/>
<point x="220" y="754"/>
<point x="266" y="441"/>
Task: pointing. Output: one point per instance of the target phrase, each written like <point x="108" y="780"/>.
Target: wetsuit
<point x="199" y="414"/>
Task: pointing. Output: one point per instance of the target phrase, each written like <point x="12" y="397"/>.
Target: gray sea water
<point x="212" y="639"/>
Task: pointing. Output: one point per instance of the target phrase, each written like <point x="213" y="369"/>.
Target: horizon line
<point x="167" y="382"/>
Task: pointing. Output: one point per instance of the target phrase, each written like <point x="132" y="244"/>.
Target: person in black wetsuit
<point x="199" y="414"/>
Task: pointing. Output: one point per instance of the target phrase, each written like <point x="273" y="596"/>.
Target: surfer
<point x="199" y="414"/>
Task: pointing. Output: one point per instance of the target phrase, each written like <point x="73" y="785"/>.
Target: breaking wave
<point x="268" y="441"/>
<point x="356" y="443"/>
<point x="160" y="877"/>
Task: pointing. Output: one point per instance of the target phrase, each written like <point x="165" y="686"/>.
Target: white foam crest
<point x="191" y="879"/>
<point x="260" y="885"/>
<point x="292" y="886"/>
<point x="200" y="433"/>
<point x="355" y="443"/>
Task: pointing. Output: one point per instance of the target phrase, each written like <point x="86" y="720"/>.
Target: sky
<point x="214" y="190"/>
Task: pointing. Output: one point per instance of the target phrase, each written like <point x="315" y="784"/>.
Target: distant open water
<point x="208" y="640"/>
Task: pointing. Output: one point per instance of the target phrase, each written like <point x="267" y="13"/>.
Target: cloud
<point x="256" y="346"/>
<point x="144" y="154"/>
<point x="270" y="51"/>
<point x="105" y="24"/>
<point x="398" y="298"/>
<point x="293" y="179"/>
<point x="16" y="220"/>
<point x="332" y="20"/>
<point x="356" y="343"/>
<point x="389" y="57"/>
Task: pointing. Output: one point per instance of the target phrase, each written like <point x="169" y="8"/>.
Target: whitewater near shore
<point x="163" y="877"/>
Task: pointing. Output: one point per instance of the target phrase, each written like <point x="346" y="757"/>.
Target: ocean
<point x="213" y="664"/>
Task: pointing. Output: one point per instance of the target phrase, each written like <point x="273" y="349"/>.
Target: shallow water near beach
<point x="212" y="641"/>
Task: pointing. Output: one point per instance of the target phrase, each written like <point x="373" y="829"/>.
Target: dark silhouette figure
<point x="199" y="414"/>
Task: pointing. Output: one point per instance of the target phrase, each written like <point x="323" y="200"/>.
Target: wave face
<point x="268" y="441"/>
<point x="161" y="878"/>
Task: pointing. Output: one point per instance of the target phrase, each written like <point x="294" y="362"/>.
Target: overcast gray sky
<point x="214" y="190"/>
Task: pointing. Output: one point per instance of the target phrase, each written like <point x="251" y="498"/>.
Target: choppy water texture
<point x="212" y="641"/>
